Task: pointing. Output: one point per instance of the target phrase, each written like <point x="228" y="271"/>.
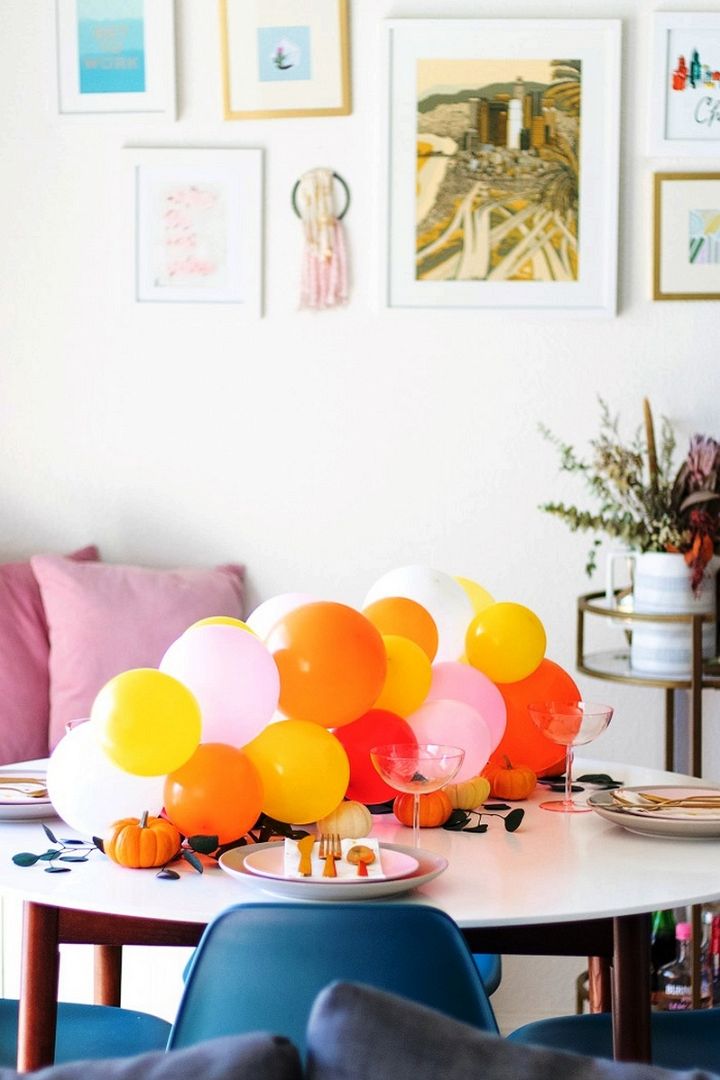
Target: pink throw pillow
<point x="106" y="619"/>
<point x="24" y="657"/>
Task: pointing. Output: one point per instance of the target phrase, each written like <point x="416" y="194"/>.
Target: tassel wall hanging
<point x="324" y="281"/>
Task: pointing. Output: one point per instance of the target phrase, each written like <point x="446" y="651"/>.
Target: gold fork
<point x="330" y="850"/>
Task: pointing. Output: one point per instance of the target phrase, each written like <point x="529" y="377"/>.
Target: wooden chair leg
<point x="107" y="974"/>
<point x="599" y="984"/>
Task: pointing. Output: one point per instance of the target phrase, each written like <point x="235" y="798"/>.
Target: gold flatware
<point x="305" y="846"/>
<point x="330" y="850"/>
<point x="660" y="802"/>
<point x="361" y="856"/>
<point x="9" y="783"/>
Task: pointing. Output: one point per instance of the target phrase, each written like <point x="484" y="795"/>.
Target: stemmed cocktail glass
<point x="417" y="769"/>
<point x="569" y="725"/>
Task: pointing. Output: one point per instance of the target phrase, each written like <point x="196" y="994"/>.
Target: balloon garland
<point x="277" y="715"/>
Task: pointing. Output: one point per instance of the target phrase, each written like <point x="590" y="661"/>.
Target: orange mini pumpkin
<point x="513" y="782"/>
<point x="435" y="809"/>
<point x="142" y="842"/>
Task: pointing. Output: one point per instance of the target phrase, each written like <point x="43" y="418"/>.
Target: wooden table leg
<point x="37" y="1018"/>
<point x="599" y="996"/>
<point x="631" y="988"/>
<point x="107" y="974"/>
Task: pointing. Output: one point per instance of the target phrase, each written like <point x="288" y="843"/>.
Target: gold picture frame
<point x="686" y="231"/>
<point x="285" y="58"/>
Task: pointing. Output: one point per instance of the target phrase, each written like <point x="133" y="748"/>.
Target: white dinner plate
<point x="429" y="865"/>
<point x="17" y="806"/>
<point x="664" y="823"/>
<point x="271" y="863"/>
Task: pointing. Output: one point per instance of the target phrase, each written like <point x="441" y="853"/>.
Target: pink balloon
<point x="461" y="682"/>
<point x="232" y="675"/>
<point x="271" y="611"/>
<point x="454" y="723"/>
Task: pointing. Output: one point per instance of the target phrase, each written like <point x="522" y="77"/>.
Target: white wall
<point x="321" y="449"/>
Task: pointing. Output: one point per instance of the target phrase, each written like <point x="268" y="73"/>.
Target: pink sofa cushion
<point x="114" y="618"/>
<point x="24" y="655"/>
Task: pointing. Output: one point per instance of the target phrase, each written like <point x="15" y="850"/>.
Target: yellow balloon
<point x="506" y="642"/>
<point x="223" y="620"/>
<point x="147" y="722"/>
<point x="408" y="678"/>
<point x="479" y="598"/>
<point x="304" y="770"/>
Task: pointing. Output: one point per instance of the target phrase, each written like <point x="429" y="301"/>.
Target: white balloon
<point x="438" y="593"/>
<point x="265" y="615"/>
<point x="89" y="792"/>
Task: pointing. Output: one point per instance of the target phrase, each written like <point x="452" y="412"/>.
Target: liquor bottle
<point x="695" y="69"/>
<point x="662" y="947"/>
<point x="713" y="948"/>
<point x="675" y="979"/>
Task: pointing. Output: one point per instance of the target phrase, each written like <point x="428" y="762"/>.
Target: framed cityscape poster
<point x="198" y="226"/>
<point x="116" y="56"/>
<point x="285" y="58"/>
<point x="685" y="89"/>
<point x="502" y="140"/>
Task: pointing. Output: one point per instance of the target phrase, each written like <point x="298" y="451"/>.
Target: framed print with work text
<point x="687" y="236"/>
<point x="116" y="56"/>
<point x="502" y="144"/>
<point x="285" y="58"/>
<point x="685" y="87"/>
<point x="198" y="226"/>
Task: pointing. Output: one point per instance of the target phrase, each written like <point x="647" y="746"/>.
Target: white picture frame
<point x="198" y="226"/>
<point x="115" y="56"/>
<point x="684" y="107"/>
<point x="435" y="68"/>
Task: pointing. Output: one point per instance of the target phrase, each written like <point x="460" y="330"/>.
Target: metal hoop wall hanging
<point x="343" y="185"/>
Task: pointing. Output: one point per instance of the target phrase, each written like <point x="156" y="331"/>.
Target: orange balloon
<point x="332" y="663"/>
<point x="523" y="743"/>
<point x="218" y="792"/>
<point x="403" y="617"/>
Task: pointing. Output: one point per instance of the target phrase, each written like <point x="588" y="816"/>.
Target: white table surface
<point x="555" y="868"/>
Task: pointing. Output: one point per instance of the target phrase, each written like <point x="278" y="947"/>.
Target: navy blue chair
<point x="260" y="966"/>
<point x="680" y="1040"/>
<point x="489" y="967"/>
<point x="88" y="1031"/>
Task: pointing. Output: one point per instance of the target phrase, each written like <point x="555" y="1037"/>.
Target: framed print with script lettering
<point x="685" y="90"/>
<point x="116" y="56"/>
<point x="502" y="144"/>
<point x="198" y="226"/>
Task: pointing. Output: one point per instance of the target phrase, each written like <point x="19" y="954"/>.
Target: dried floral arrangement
<point x="643" y="499"/>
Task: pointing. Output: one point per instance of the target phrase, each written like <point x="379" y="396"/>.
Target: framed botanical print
<point x="685" y="88"/>
<point x="116" y="56"/>
<point x="687" y="236"/>
<point x="502" y="144"/>
<point x="285" y="58"/>
<point x="198" y="226"/>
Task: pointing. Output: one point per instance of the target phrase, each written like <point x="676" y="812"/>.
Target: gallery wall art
<point x="685" y="85"/>
<point x="198" y="226"/>
<point x="502" y="143"/>
<point x="687" y="236"/>
<point x="285" y="58"/>
<point x="115" y="56"/>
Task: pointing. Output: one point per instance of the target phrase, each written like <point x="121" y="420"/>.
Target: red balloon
<point x="373" y="729"/>
<point x="523" y="743"/>
<point x="332" y="663"/>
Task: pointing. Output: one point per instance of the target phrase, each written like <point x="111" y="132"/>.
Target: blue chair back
<point x="259" y="967"/>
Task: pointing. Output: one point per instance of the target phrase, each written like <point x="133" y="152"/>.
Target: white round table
<point x="562" y="884"/>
